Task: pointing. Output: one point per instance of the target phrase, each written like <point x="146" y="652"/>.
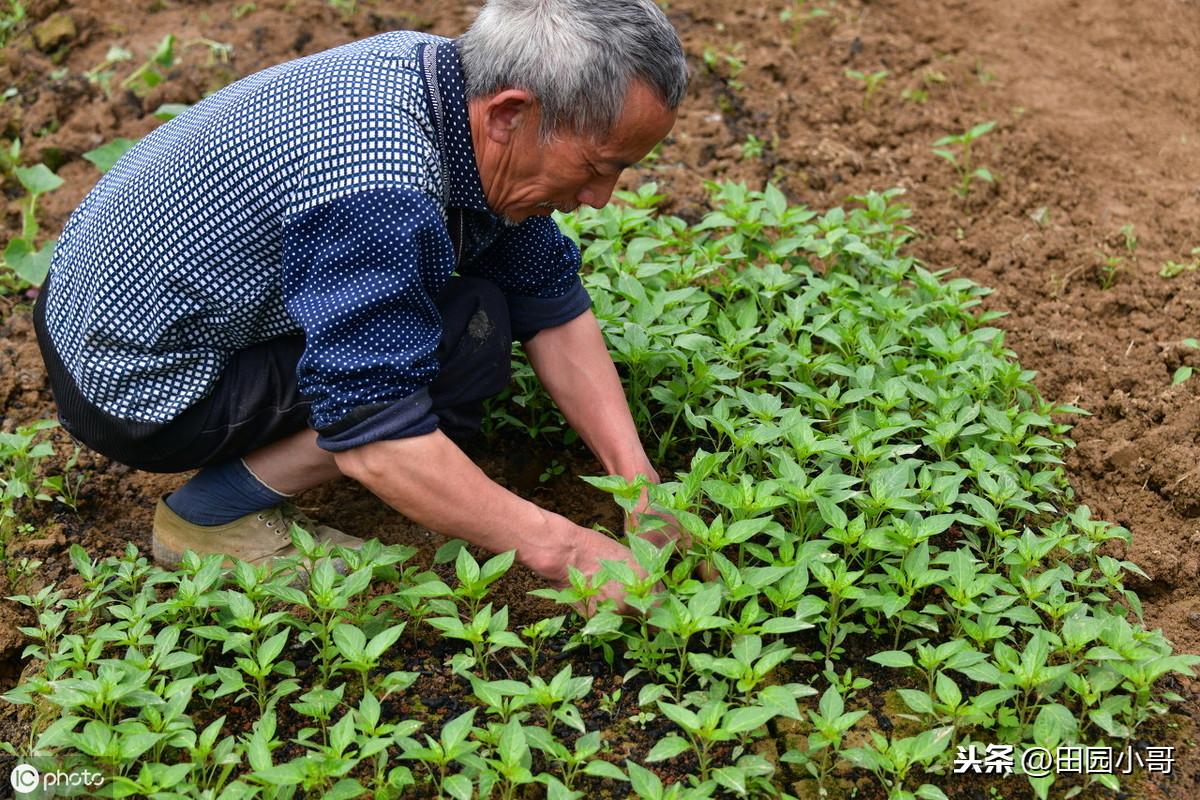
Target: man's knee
<point x="476" y="311"/>
<point x="474" y="353"/>
<point x="476" y="333"/>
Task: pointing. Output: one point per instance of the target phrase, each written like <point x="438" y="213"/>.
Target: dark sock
<point x="222" y="493"/>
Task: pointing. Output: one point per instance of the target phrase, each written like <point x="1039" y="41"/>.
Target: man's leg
<point x="293" y="464"/>
<point x="223" y="492"/>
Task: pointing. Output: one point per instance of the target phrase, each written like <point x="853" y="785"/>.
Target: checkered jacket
<point x="309" y="198"/>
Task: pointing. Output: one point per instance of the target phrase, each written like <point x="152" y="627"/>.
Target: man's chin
<point x="540" y="210"/>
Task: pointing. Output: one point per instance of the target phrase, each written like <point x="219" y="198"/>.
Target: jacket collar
<point x="458" y="154"/>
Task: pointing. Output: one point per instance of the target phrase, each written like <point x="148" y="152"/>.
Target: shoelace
<point x="280" y="518"/>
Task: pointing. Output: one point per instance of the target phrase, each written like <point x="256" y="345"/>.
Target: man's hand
<point x="669" y="534"/>
<point x="590" y="548"/>
<point x="431" y="481"/>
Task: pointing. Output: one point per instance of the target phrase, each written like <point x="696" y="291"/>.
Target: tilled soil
<point x="1098" y="127"/>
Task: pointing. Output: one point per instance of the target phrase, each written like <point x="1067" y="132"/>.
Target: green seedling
<point x="717" y="61"/>
<point x="579" y="759"/>
<point x="610" y="702"/>
<point x="218" y="52"/>
<point x="799" y="13"/>
<point x="871" y="82"/>
<point x="10" y="158"/>
<point x="22" y="256"/>
<point x="752" y="148"/>
<point x="1185" y="372"/>
<point x="347" y="8"/>
<point x="438" y="755"/>
<point x="848" y="441"/>
<point x="102" y="74"/>
<point x="24" y="457"/>
<point x="361" y="655"/>
<point x="891" y="760"/>
<point x="486" y="632"/>
<point x="474" y="581"/>
<point x="152" y="71"/>
<point x="1171" y="269"/>
<point x="962" y="160"/>
<point x="511" y="760"/>
<point x="537" y="633"/>
<point x="830" y="724"/>
<point x="11" y="20"/>
<point x="648" y="786"/>
<point x="502" y="699"/>
<point x="713" y="723"/>
<point x="105" y="156"/>
<point x="748" y="665"/>
<point x="680" y="622"/>
<point x="556" y="698"/>
<point x="1112" y="265"/>
<point x="552" y="471"/>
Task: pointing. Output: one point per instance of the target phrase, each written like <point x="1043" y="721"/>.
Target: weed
<point x="151" y="71"/>
<point x="870" y="81"/>
<point x="28" y="263"/>
<point x="1111" y="264"/>
<point x="1109" y="269"/>
<point x="962" y="160"/>
<point x="983" y="74"/>
<point x="347" y="8"/>
<point x="1171" y="269"/>
<point x="1185" y="372"/>
<point x="800" y="13"/>
<point x="552" y="471"/>
<point x="11" y="20"/>
<point x="102" y="74"/>
<point x="726" y="65"/>
<point x="218" y="52"/>
<point x="752" y="148"/>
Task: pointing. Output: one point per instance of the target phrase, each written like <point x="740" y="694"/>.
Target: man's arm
<point x="572" y="362"/>
<point x="432" y="481"/>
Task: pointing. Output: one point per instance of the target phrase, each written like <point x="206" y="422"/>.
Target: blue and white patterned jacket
<point x="312" y="198"/>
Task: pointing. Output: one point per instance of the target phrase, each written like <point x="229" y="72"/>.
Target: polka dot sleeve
<point x="537" y="268"/>
<point x="360" y="275"/>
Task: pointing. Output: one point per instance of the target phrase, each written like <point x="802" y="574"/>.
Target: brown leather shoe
<point x="256" y="538"/>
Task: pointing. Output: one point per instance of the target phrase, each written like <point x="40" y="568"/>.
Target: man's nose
<point x="597" y="193"/>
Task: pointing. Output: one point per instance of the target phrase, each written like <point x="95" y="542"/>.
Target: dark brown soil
<point x="1098" y="112"/>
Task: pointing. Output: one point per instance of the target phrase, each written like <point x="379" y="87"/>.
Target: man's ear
<point x="506" y="111"/>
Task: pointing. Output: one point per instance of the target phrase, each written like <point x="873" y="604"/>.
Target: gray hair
<point x="577" y="57"/>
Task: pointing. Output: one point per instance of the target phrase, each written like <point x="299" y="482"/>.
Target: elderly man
<point x="262" y="287"/>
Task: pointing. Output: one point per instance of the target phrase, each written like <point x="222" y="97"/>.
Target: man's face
<point x="531" y="178"/>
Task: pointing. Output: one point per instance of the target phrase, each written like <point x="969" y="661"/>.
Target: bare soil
<point x="1098" y="112"/>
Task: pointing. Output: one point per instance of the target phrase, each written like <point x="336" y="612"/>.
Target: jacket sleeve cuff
<point x="532" y="314"/>
<point x="398" y="419"/>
